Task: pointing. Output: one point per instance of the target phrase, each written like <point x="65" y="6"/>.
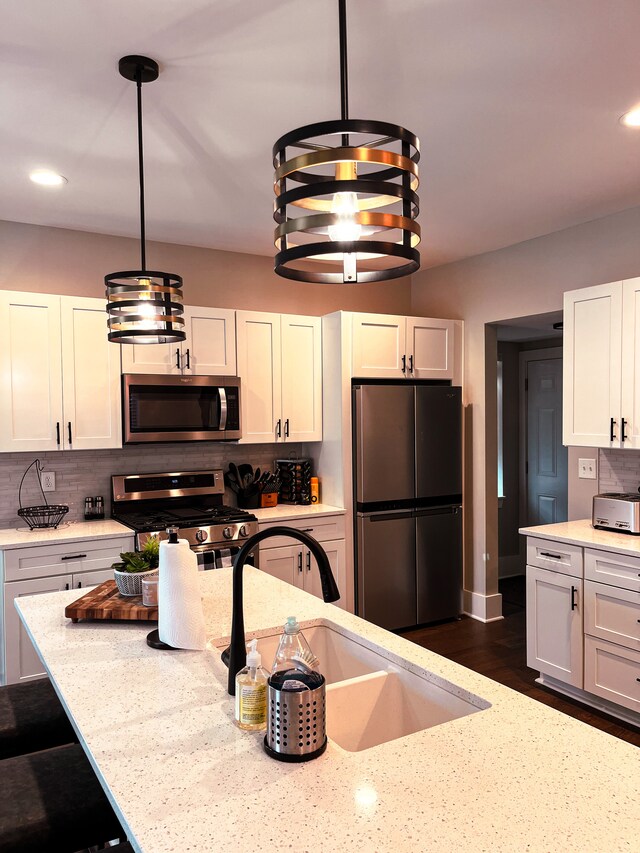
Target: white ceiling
<point x="515" y="102"/>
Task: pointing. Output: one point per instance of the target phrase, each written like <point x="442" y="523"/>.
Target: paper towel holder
<point x="153" y="637"/>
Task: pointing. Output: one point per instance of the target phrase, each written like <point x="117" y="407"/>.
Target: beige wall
<point x="518" y="281"/>
<point x="56" y="260"/>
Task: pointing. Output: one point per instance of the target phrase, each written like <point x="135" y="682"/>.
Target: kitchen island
<point x="157" y="727"/>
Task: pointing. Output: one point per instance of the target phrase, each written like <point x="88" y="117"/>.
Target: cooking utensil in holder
<point x="296" y="718"/>
<point x="43" y="516"/>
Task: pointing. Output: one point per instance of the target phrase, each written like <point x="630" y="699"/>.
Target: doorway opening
<point x="532" y="461"/>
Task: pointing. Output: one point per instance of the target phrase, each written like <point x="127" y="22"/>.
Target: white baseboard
<point x="484" y="608"/>
<point x="596" y="702"/>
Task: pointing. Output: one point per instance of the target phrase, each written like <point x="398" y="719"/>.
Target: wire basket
<point x="45" y="515"/>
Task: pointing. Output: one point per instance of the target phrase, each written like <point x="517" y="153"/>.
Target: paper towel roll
<point x="180" y="613"/>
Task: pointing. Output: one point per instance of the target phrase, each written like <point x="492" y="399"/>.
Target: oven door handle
<point x="223" y="409"/>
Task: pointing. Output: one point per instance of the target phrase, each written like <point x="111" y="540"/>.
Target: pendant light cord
<point x="143" y="253"/>
<point x="344" y="85"/>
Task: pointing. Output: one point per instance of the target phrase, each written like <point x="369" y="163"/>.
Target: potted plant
<point x="135" y="565"/>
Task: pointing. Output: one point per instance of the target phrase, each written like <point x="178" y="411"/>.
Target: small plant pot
<point x="130" y="583"/>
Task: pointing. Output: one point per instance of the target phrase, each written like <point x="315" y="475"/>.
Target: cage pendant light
<point x="143" y="306"/>
<point x="345" y="192"/>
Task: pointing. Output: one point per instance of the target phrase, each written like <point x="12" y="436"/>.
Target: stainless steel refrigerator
<point x="408" y="498"/>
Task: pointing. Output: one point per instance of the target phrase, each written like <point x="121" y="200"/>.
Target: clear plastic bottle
<point x="251" y="693"/>
<point x="293" y="649"/>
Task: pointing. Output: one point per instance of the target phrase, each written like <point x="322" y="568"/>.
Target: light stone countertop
<point x="158" y="728"/>
<point x="74" y="531"/>
<point x="285" y="512"/>
<point x="582" y="533"/>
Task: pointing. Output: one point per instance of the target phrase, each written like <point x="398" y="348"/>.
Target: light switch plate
<point x="587" y="469"/>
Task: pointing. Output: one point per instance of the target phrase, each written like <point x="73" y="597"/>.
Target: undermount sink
<point x="372" y="698"/>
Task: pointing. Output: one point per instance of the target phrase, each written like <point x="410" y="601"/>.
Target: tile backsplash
<point x="618" y="471"/>
<point x="88" y="472"/>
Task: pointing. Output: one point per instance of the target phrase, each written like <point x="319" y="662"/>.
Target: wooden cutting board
<point x="105" y="602"/>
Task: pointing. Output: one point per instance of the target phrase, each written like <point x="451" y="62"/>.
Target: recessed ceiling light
<point x="632" y="118"/>
<point x="47" y="178"/>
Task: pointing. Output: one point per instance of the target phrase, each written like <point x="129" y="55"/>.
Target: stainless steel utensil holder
<point x="296" y="723"/>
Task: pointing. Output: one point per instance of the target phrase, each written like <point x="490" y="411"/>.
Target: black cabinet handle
<point x="70" y="436"/>
<point x="74" y="557"/>
<point x="404" y="364"/>
<point x="549" y="554"/>
<point x="410" y="364"/>
<point x="279" y="428"/>
<point x="188" y="360"/>
<point x="66" y="586"/>
<point x="300" y="561"/>
<point x="178" y="358"/>
<point x="286" y="428"/>
<point x="574" y="603"/>
<point x="58" y="433"/>
<point x="612" y="436"/>
<point x="79" y="584"/>
<point x="308" y="561"/>
<point x="623" y="424"/>
<point x="310" y="530"/>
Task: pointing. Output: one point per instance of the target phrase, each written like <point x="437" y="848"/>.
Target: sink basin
<point x="373" y="698"/>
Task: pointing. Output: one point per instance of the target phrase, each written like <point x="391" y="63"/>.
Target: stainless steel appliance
<point x="191" y="501"/>
<point x="408" y="497"/>
<point x="180" y="408"/>
<point x="618" y="511"/>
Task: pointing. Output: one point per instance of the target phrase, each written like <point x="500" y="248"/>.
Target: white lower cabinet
<point x="554" y="624"/>
<point x="584" y="633"/>
<point x="289" y="560"/>
<point x="38" y="570"/>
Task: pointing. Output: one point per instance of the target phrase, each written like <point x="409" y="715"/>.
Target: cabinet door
<point x="210" y="347"/>
<point x="21" y="660"/>
<point x="31" y="370"/>
<point x="311" y="575"/>
<point x="259" y="368"/>
<point x="592" y="366"/>
<point x="301" y="378"/>
<point x="286" y="564"/>
<point x="164" y="359"/>
<point x="554" y="625"/>
<point x="630" y="407"/>
<point x="379" y="346"/>
<point x="81" y="580"/>
<point x="430" y="348"/>
<point x="90" y="377"/>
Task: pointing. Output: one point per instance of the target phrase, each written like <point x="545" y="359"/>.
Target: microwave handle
<point x="223" y="408"/>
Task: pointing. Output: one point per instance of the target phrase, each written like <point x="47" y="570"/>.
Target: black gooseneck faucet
<point x="235" y="657"/>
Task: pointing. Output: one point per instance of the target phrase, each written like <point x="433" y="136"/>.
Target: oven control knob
<point x="227" y="532"/>
<point x="243" y="530"/>
<point x="201" y="535"/>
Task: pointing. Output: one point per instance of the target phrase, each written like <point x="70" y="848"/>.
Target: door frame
<point x="526" y="356"/>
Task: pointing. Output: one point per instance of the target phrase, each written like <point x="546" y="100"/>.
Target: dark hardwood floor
<point x="498" y="650"/>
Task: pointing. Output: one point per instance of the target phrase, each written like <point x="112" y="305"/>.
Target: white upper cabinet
<point x="209" y="348"/>
<point x="601" y="399"/>
<point x="31" y="372"/>
<point x="90" y="377"/>
<point x="61" y="376"/>
<point x="390" y="346"/>
<point x="301" y="364"/>
<point x="280" y="367"/>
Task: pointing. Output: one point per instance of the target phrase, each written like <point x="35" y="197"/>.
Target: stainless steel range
<point x="189" y="500"/>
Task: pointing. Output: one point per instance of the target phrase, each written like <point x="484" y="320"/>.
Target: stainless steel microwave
<point x="180" y="408"/>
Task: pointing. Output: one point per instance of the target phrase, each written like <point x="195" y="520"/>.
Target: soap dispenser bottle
<point x="251" y="693"/>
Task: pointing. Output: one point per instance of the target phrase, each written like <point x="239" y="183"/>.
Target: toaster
<point x="617" y="511"/>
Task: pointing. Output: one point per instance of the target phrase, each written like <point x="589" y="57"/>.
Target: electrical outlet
<point x="587" y="469"/>
<point x="48" y="480"/>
